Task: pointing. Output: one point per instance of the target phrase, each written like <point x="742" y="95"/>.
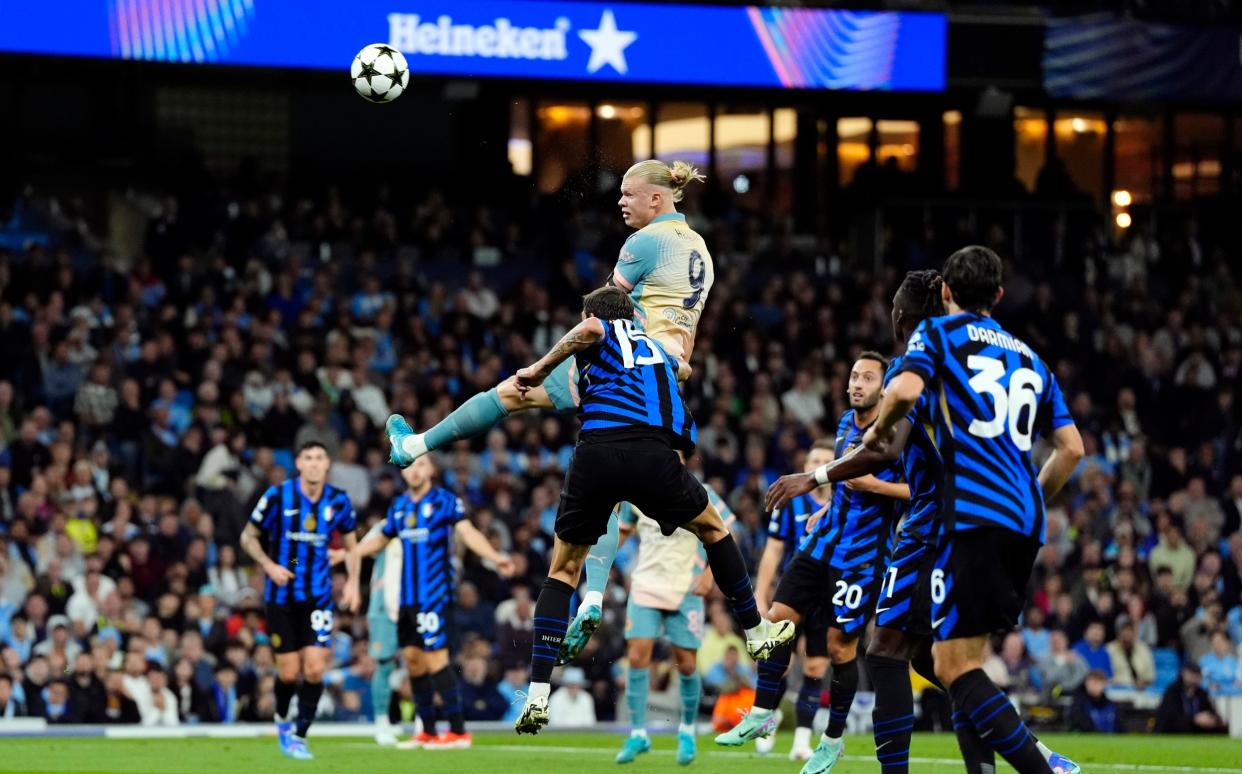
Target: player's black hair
<point x="876" y="356"/>
<point x="608" y="303"/>
<point x="312" y="445"/>
<point x="973" y="275"/>
<point x="919" y="295"/>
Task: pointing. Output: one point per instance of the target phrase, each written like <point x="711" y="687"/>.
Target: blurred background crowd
<point x="145" y="406"/>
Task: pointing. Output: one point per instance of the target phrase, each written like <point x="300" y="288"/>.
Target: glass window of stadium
<point x="1138" y="152"/>
<point x="898" y="140"/>
<point x="623" y="135"/>
<point x="683" y="131"/>
<point x="1080" y="145"/>
<point x="1030" y="130"/>
<point x="784" y="134"/>
<point x="561" y="143"/>
<point x="1198" y="144"/>
<point x="952" y="150"/>
<point x="853" y="146"/>
<point x="520" y="149"/>
<point x="741" y="136"/>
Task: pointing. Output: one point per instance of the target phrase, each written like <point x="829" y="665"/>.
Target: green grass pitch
<point x="579" y="753"/>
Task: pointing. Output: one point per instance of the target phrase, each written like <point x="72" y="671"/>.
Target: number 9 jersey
<point x="989" y="395"/>
<point x="668" y="273"/>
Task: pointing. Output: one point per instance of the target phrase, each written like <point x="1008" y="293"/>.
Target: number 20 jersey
<point x="990" y="396"/>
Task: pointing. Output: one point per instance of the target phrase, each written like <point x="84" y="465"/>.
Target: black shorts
<point x="296" y="625"/>
<point x="840" y="599"/>
<point x="904" y="601"/>
<point x="428" y="628"/>
<point x="978" y="583"/>
<point x="639" y="467"/>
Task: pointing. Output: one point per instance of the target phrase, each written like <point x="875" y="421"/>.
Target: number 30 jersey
<point x="668" y="272"/>
<point x="990" y="396"/>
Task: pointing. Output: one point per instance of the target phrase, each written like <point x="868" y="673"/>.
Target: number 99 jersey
<point x="990" y="395"/>
<point x="668" y="273"/>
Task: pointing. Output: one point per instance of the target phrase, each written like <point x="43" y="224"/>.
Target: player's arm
<point x="477" y="542"/>
<point x="1067" y="451"/>
<point x="355" y="552"/>
<point x="899" y="398"/>
<point x="585" y="334"/>
<point x="253" y="547"/>
<point x="861" y="461"/>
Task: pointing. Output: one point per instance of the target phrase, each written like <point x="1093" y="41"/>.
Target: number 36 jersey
<point x="668" y="273"/>
<point x="990" y="396"/>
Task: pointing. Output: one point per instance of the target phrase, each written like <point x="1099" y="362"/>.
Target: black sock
<point x="449" y="689"/>
<point x="308" y="702"/>
<point x="977" y="756"/>
<point x="729" y="569"/>
<point x="769" y="688"/>
<point x="997" y="722"/>
<point x="925" y="665"/>
<point x="893" y="716"/>
<point x="551" y="621"/>
<point x="284" y="695"/>
<point x="841" y="696"/>
<point x="808" y="700"/>
<point x="424" y="692"/>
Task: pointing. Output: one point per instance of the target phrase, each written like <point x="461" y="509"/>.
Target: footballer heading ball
<point x="380" y="73"/>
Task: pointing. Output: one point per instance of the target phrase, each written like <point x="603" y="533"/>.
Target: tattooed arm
<point x="250" y="544"/>
<point x="585" y="334"/>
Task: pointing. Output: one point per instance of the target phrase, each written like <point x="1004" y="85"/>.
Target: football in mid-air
<point x="380" y="73"/>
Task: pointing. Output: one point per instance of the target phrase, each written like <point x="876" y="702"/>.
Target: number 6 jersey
<point x="666" y="269"/>
<point x="989" y="395"/>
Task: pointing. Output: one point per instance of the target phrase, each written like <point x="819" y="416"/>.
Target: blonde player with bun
<point x="664" y="266"/>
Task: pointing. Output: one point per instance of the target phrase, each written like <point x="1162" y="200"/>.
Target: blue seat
<point x="1167" y="665"/>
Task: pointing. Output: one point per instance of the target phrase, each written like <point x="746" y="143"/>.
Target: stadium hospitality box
<point x="588" y="41"/>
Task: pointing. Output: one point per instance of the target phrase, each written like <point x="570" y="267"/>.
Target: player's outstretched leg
<point x="761" y="721"/>
<point x="591" y="610"/>
<point x="551" y="620"/>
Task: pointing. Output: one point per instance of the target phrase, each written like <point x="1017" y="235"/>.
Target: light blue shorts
<point x="562" y="385"/>
<point x="383" y="637"/>
<point x="682" y="627"/>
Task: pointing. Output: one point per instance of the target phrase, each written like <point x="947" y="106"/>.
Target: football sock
<point x="841" y="697"/>
<point x="691" y="690"/>
<point x="473" y="418"/>
<point x="637" y="684"/>
<point x="599" y="563"/>
<point x="727" y="565"/>
<point x="551" y="621"/>
<point x="768" y="688"/>
<point x="893" y="716"/>
<point x="284" y="695"/>
<point x="381" y="688"/>
<point x="308" y="703"/>
<point x="997" y="722"/>
<point x="808" y="700"/>
<point x="424" y="691"/>
<point x="977" y="756"/>
<point x="446" y="685"/>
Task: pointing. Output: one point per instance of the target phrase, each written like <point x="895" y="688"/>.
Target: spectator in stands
<point x="1093" y="651"/>
<point x="1132" y="662"/>
<point x="1173" y="552"/>
<point x="1035" y="636"/>
<point x="1220" y="665"/>
<point x="10" y="707"/>
<point x="1061" y="670"/>
<point x="570" y="704"/>
<point x="480" y="695"/>
<point x="87" y="693"/>
<point x="1196" y="633"/>
<point x="1092" y="711"/>
<point x="719" y="638"/>
<point x="1186" y="708"/>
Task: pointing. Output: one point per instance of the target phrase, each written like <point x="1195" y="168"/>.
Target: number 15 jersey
<point x="990" y="396"/>
<point x="668" y="273"/>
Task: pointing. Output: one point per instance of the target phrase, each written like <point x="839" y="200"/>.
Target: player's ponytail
<point x="675" y="177"/>
<point x="933" y="305"/>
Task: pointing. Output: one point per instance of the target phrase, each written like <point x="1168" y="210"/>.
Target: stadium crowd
<point x="144" y="408"/>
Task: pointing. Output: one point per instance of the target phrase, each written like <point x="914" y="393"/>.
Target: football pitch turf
<point x="572" y="752"/>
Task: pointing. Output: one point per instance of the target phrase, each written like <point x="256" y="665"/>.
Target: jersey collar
<point x="669" y="216"/>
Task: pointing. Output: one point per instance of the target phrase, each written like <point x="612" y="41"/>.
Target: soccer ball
<point x="380" y="73"/>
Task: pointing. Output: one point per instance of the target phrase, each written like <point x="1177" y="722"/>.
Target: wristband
<point x="821" y="475"/>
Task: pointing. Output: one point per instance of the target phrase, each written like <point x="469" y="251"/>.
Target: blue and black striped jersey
<point x="788" y="524"/>
<point x="298" y="533"/>
<point x="854" y="534"/>
<point x="990" y="396"/>
<point x="627" y="380"/>
<point x="425" y="528"/>
<point x="922" y="468"/>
